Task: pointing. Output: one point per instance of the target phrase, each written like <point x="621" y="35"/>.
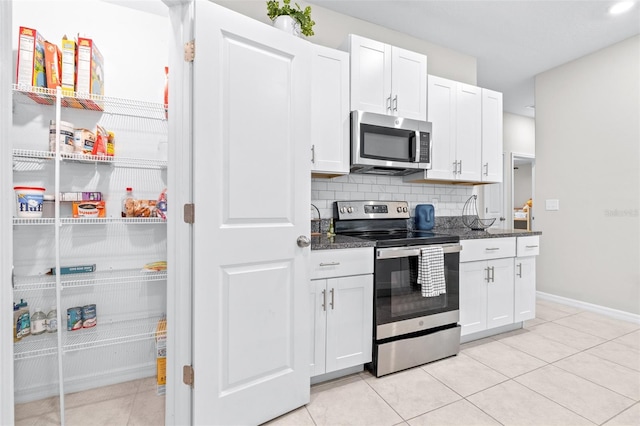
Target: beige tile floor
<point x="566" y="367"/>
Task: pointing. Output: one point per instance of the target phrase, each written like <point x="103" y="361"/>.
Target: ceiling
<point x="513" y="40"/>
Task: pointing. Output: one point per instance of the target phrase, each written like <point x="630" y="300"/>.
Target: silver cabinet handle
<point x="324" y="300"/>
<point x="486" y="169"/>
<point x="492" y="248"/>
<point x="487" y="277"/>
<point x="531" y="246"/>
<point x="460" y="162"/>
<point x="395" y="103"/>
<point x="455" y="167"/>
<point x="313" y="154"/>
<point x="329" y="264"/>
<point x="519" y="273"/>
<point x="303" y="241"/>
<point x="493" y="274"/>
<point x="333" y="304"/>
<point x="389" y="102"/>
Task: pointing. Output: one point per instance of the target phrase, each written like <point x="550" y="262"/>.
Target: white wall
<point x="332" y="28"/>
<point x="519" y="134"/>
<point x="587" y="157"/>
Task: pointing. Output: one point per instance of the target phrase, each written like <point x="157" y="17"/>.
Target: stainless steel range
<point x="411" y="327"/>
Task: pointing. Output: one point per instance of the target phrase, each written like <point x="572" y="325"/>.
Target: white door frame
<point x="529" y="158"/>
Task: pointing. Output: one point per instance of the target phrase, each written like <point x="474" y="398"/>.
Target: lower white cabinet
<point x="486" y="294"/>
<point x="497" y="283"/>
<point x="341" y="296"/>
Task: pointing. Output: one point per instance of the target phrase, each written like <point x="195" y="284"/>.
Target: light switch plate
<point x="552" y="204"/>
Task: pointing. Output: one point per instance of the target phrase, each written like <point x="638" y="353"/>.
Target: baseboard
<point x="609" y="312"/>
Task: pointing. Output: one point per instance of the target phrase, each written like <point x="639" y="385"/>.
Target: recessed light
<point x="621" y="7"/>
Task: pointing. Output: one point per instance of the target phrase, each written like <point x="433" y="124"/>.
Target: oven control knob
<point x="404" y="210"/>
<point x="343" y="209"/>
<point x="350" y="209"/>
<point x="399" y="209"/>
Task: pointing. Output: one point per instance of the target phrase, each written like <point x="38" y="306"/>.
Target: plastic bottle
<point x="127" y="203"/>
<point x="52" y="320"/>
<point x="38" y="322"/>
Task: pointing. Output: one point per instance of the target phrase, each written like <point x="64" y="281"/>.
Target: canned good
<point x="89" y="316"/>
<point x="66" y="137"/>
<point x="74" y="318"/>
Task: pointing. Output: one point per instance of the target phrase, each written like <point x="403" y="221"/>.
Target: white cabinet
<point x="454" y="109"/>
<point x="341" y="296"/>
<point x="387" y="79"/>
<point x="486" y="283"/>
<point x="330" y="119"/>
<point x="525" y="277"/>
<point x="491" y="136"/>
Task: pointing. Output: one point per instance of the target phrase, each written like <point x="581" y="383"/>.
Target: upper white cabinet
<point x="455" y="111"/>
<point x="491" y="136"/>
<point x="330" y="119"/>
<point x="387" y="79"/>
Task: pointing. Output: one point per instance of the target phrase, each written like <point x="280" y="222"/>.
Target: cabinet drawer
<point x="487" y="248"/>
<point x="528" y="246"/>
<point x="341" y="262"/>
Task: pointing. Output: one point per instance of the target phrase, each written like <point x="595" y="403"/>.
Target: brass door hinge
<point x="190" y="51"/>
<point x="189" y="213"/>
<point x="188" y="375"/>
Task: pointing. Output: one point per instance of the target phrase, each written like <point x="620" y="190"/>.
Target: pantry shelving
<point x="129" y="300"/>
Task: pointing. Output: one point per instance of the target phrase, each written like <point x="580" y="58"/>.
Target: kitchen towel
<point x="431" y="271"/>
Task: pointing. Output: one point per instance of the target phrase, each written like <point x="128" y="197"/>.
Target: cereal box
<point x="31" y="65"/>
<point x="68" y="73"/>
<point x="52" y="57"/>
<point x="89" y="73"/>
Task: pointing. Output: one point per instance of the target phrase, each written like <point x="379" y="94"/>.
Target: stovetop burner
<point x="385" y="222"/>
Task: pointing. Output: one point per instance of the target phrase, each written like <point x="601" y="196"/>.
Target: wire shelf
<point x="33" y="221"/>
<point x="94" y="279"/>
<point x="92" y="159"/>
<point x="26" y="221"/>
<point x="112" y="333"/>
<point x="103" y="334"/>
<point x="108" y="105"/>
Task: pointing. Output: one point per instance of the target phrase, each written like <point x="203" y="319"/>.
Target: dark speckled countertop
<point x="469" y="234"/>
<point x="323" y="242"/>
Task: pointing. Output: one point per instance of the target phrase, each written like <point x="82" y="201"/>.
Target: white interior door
<point x="252" y="195"/>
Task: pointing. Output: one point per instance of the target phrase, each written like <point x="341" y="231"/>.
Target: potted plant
<point x="302" y="18"/>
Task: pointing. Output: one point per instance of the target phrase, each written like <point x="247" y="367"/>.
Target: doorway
<point x="521" y="204"/>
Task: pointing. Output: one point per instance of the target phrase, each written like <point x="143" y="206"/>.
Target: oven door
<point x="400" y="307"/>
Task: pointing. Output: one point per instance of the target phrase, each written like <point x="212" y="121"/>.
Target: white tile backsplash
<point x="450" y="198"/>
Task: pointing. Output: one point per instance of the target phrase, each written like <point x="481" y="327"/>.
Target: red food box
<point x="31" y="63"/>
<point x="52" y="60"/>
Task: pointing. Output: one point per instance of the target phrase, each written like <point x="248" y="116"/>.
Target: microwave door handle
<point x="415" y="147"/>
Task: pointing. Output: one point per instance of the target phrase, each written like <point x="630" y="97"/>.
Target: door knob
<point x="303" y="241"/>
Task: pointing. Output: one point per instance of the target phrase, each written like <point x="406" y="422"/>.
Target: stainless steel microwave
<point x="389" y="145"/>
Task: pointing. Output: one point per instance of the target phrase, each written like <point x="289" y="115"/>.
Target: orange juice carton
<point x="31" y="62"/>
<point x="89" y="73"/>
<point x="89" y="209"/>
<point x="52" y="58"/>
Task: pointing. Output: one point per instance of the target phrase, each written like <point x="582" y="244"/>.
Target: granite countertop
<point x="469" y="234"/>
<point x="323" y="242"/>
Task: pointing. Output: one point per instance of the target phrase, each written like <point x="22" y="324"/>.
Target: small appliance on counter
<point x="425" y="217"/>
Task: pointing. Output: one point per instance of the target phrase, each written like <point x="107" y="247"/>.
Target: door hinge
<point x="188" y="375"/>
<point x="189" y="213"/>
<point x="190" y="51"/>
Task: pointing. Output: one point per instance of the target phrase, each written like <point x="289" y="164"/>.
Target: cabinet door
<point x="468" y="132"/>
<point x="349" y="321"/>
<point x="525" y="288"/>
<point x="408" y="84"/>
<point x="318" y="321"/>
<point x="491" y="136"/>
<point x="442" y="115"/>
<point x="370" y="75"/>
<point x="473" y="296"/>
<point x="330" y="137"/>
<point x="500" y="293"/>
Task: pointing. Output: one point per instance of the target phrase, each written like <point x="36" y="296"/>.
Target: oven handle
<point x="395" y="252"/>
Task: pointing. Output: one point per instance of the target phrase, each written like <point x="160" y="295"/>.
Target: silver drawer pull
<point x="330" y="264"/>
<point x="492" y="248"/>
<point x="531" y="246"/>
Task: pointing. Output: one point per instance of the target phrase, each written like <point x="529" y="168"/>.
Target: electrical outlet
<point x="552" y="205"/>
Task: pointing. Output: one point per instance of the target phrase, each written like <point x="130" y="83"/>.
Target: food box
<point x="31" y="63"/>
<point x="52" y="61"/>
<point x="88" y="209"/>
<point x="80" y="269"/>
<point x="81" y="196"/>
<point x="89" y="73"/>
<point x="140" y="208"/>
<point x="68" y="73"/>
